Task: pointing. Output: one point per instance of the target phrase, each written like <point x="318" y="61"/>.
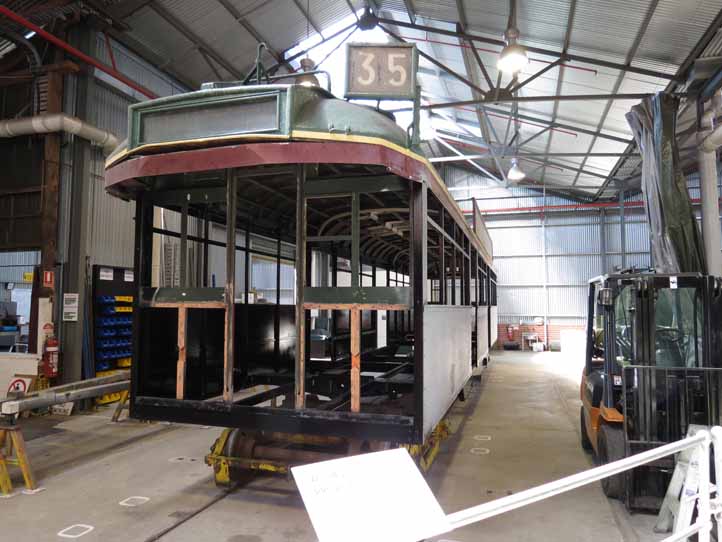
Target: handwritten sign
<point x="386" y="488"/>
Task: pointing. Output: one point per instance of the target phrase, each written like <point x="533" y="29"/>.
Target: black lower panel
<point x="388" y="428"/>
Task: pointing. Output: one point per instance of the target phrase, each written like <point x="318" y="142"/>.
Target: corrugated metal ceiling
<point x="201" y="39"/>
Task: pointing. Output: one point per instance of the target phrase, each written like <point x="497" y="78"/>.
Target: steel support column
<point x="419" y="232"/>
<point x="75" y="270"/>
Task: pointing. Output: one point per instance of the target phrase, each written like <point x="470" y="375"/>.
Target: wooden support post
<point x="230" y="293"/>
<point x="300" y="367"/>
<point x="355" y="360"/>
<point x="180" y="382"/>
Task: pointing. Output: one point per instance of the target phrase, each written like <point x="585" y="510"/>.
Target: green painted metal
<point x="370" y="295"/>
<point x="310" y="109"/>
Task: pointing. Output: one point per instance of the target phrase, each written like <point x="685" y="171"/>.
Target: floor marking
<point x="33" y="491"/>
<point x="80" y="530"/>
<point x="134" y="501"/>
<point x="482" y="437"/>
<point x="480" y="451"/>
<point x="182" y="459"/>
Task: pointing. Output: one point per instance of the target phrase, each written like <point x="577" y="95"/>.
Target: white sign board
<point x="106" y="273"/>
<point x="70" y="307"/>
<point x="128" y="275"/>
<point x="381" y="72"/>
<point x="379" y="497"/>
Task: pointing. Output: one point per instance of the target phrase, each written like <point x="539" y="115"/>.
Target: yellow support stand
<point x="12" y="452"/>
<point x="425" y="453"/>
<point x="122" y="405"/>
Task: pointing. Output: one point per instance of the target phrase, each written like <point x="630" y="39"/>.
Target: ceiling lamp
<point x="515" y="173"/>
<point x="513" y="56"/>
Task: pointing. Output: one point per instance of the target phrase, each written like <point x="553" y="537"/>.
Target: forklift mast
<point x="660" y="337"/>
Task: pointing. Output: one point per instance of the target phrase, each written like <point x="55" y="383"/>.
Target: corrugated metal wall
<point x="111" y="230"/>
<point x="543" y="262"/>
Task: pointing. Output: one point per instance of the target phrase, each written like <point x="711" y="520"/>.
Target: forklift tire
<point x="586" y="443"/>
<point x="610" y="448"/>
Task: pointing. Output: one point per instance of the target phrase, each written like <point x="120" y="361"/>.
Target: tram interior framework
<point x="362" y="244"/>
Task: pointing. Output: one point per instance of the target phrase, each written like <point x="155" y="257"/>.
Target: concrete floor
<point x="518" y="429"/>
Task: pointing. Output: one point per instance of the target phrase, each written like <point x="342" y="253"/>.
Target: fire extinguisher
<point x="51" y="357"/>
<point x="510" y="333"/>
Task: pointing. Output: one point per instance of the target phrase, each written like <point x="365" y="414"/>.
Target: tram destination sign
<point x="381" y="72"/>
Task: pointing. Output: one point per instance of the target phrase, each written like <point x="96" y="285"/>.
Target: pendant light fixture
<point x="515" y="173"/>
<point x="513" y="57"/>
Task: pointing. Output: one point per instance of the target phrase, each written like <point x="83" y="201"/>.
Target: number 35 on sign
<point x="381" y="72"/>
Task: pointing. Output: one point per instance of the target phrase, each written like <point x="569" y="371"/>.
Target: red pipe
<point x="570" y="206"/>
<point x="19" y="19"/>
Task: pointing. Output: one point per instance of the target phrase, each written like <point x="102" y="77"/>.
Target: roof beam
<point x="123" y="10"/>
<point x="560" y="78"/>
<point x="248" y="27"/>
<point x="537" y="50"/>
<point x="461" y="158"/>
<point x="191" y="36"/>
<point x="681" y="76"/>
<point x="484" y="124"/>
<point x="435" y="62"/>
<point x="620" y="78"/>
<point x="562" y="126"/>
<point x="307" y="16"/>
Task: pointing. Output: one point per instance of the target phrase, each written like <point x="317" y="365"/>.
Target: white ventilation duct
<point x="47" y="124"/>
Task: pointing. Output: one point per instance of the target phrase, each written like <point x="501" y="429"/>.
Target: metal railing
<point x="706" y="506"/>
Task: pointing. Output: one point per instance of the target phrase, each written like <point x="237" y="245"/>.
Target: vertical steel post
<point x="206" y="234"/>
<point x="247" y="267"/>
<point x="230" y="293"/>
<point x="603" y="239"/>
<point x="416" y="130"/>
<point x="184" y="246"/>
<point x="300" y="366"/>
<point x="277" y="307"/>
<point x="419" y="262"/>
<point x="442" y="247"/>
<point x="623" y="230"/>
<point x="355" y="239"/>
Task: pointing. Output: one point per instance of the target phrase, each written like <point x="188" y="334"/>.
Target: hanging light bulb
<point x="515" y="172"/>
<point x="513" y="56"/>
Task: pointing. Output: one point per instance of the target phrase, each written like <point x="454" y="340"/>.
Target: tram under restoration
<point x="228" y="181"/>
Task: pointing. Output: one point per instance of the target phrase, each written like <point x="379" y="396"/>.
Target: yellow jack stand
<point x="121" y="406"/>
<point x="424" y="454"/>
<point x="11" y="440"/>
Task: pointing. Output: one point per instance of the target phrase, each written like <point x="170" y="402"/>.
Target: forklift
<point x="652" y="368"/>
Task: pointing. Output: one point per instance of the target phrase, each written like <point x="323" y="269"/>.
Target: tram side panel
<point x="482" y="332"/>
<point x="447" y="355"/>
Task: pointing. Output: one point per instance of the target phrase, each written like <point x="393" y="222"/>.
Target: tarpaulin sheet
<point x="676" y="240"/>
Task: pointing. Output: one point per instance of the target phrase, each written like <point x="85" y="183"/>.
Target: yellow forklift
<point x="652" y="369"/>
